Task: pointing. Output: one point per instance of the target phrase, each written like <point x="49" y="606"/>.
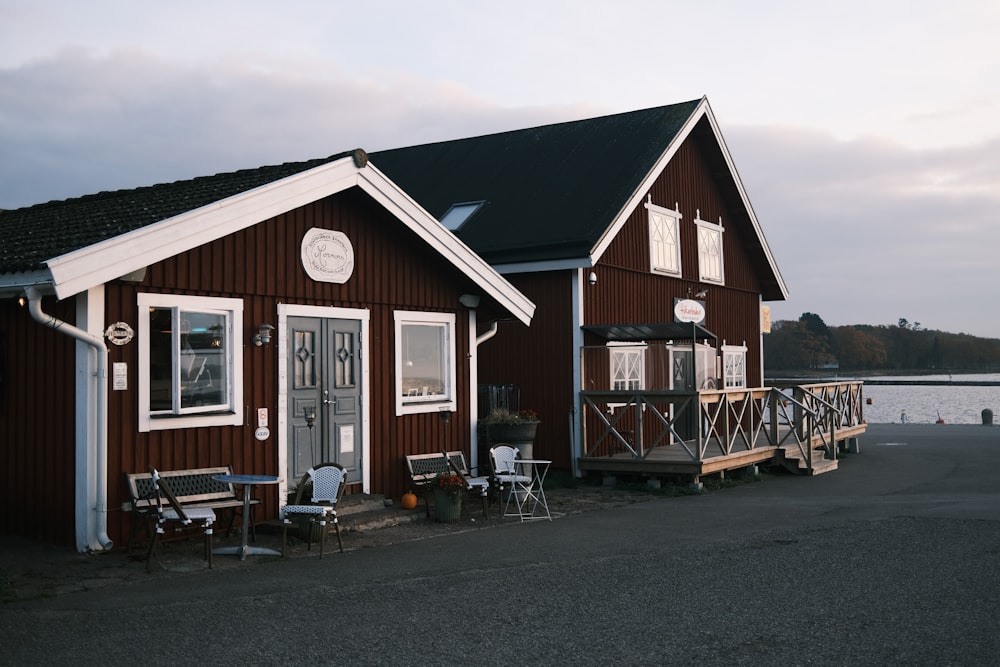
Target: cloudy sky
<point x="867" y="133"/>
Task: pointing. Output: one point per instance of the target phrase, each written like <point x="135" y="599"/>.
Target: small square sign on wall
<point x="119" y="376"/>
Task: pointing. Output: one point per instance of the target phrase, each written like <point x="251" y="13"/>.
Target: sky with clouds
<point x="867" y="133"/>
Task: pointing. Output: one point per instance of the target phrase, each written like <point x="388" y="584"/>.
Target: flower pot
<point x="305" y="526"/>
<point x="447" y="506"/>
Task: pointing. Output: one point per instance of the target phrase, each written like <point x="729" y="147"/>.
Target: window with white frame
<point x="664" y="240"/>
<point x="628" y="364"/>
<point x="734" y="366"/>
<point x="425" y="361"/>
<point x="189" y="360"/>
<point x="710" y="260"/>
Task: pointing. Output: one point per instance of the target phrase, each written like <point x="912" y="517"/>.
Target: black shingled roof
<point x="30" y="236"/>
<point x="551" y="191"/>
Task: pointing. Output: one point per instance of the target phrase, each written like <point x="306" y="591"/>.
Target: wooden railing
<point x="712" y="423"/>
<point x="816" y="414"/>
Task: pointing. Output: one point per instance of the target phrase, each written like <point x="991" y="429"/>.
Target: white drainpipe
<point x="97" y="343"/>
<point x="473" y="390"/>
<point x="489" y="333"/>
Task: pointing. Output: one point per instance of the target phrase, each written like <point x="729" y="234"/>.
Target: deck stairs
<point x="793" y="460"/>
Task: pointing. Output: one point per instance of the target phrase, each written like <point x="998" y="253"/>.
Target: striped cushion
<point x="193" y="513"/>
<point x="311" y="510"/>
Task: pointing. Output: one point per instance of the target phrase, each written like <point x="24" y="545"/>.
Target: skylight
<point x="456" y="216"/>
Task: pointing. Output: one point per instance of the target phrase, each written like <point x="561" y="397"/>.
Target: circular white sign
<point x="262" y="433"/>
<point x="689" y="310"/>
<point x="119" y="333"/>
<point x="327" y="256"/>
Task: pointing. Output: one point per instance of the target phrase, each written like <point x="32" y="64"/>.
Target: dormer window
<point x="458" y="214"/>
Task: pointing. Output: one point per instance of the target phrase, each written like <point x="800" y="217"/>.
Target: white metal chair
<point x="176" y="512"/>
<point x="507" y="477"/>
<point x="327" y="481"/>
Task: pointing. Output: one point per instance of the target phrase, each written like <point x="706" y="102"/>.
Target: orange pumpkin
<point x="409" y="501"/>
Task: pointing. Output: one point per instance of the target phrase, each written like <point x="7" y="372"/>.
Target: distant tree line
<point x="809" y="344"/>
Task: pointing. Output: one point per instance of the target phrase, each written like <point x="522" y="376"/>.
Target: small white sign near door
<point x="347" y="439"/>
<point x="119" y="376"/>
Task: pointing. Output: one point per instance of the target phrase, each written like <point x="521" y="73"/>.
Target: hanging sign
<point x="689" y="310"/>
<point x="327" y="256"/>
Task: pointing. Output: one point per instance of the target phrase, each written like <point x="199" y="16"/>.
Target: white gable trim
<point x="107" y="260"/>
<point x="97" y="264"/>
<point x="400" y="204"/>
<point x="703" y="110"/>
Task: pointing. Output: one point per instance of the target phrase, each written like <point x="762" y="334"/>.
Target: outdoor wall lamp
<point x="309" y="412"/>
<point x="592" y="278"/>
<point x="263" y="335"/>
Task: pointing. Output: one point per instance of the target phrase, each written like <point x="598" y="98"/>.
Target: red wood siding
<point x="539" y="359"/>
<point x="37" y="452"/>
<point x="394" y="269"/>
<point x="626" y="291"/>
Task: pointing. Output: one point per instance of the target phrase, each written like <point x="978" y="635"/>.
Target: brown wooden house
<point x="615" y="227"/>
<point x="200" y="323"/>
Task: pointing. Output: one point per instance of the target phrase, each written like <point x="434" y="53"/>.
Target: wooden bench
<point x="193" y="487"/>
<point x="424" y="468"/>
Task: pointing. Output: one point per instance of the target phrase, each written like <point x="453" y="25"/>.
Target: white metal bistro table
<point x="534" y="490"/>
<point x="247" y="482"/>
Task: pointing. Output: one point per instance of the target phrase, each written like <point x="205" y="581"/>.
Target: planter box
<point x="513" y="434"/>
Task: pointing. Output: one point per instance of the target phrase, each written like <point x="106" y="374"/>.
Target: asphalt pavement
<point x="894" y="559"/>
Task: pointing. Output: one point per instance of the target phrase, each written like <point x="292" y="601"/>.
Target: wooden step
<point x="793" y="460"/>
<point x="360" y="502"/>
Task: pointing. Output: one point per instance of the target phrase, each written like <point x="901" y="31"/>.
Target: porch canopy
<point x="646" y="332"/>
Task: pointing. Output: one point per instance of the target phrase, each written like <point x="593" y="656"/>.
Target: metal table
<point x="248" y="482"/>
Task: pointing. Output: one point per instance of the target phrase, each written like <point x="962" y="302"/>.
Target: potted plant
<point x="512" y="428"/>
<point x="449" y="488"/>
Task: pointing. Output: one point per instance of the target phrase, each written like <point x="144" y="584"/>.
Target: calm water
<point x="923" y="404"/>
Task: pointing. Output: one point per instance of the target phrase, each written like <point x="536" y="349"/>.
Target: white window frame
<point x="664" y="240"/>
<point x="232" y="413"/>
<point x="414" y="404"/>
<point x="636" y="360"/>
<point x="706" y="364"/>
<point x="711" y="263"/>
<point x="734" y="366"/>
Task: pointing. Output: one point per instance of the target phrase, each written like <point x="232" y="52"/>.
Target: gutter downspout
<point x="101" y="436"/>
<point x="474" y="388"/>
<point x="489" y="333"/>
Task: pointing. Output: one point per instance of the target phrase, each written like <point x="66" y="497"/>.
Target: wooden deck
<point x="653" y="434"/>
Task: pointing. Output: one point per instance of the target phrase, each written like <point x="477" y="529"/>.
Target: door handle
<point x="328" y="401"/>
